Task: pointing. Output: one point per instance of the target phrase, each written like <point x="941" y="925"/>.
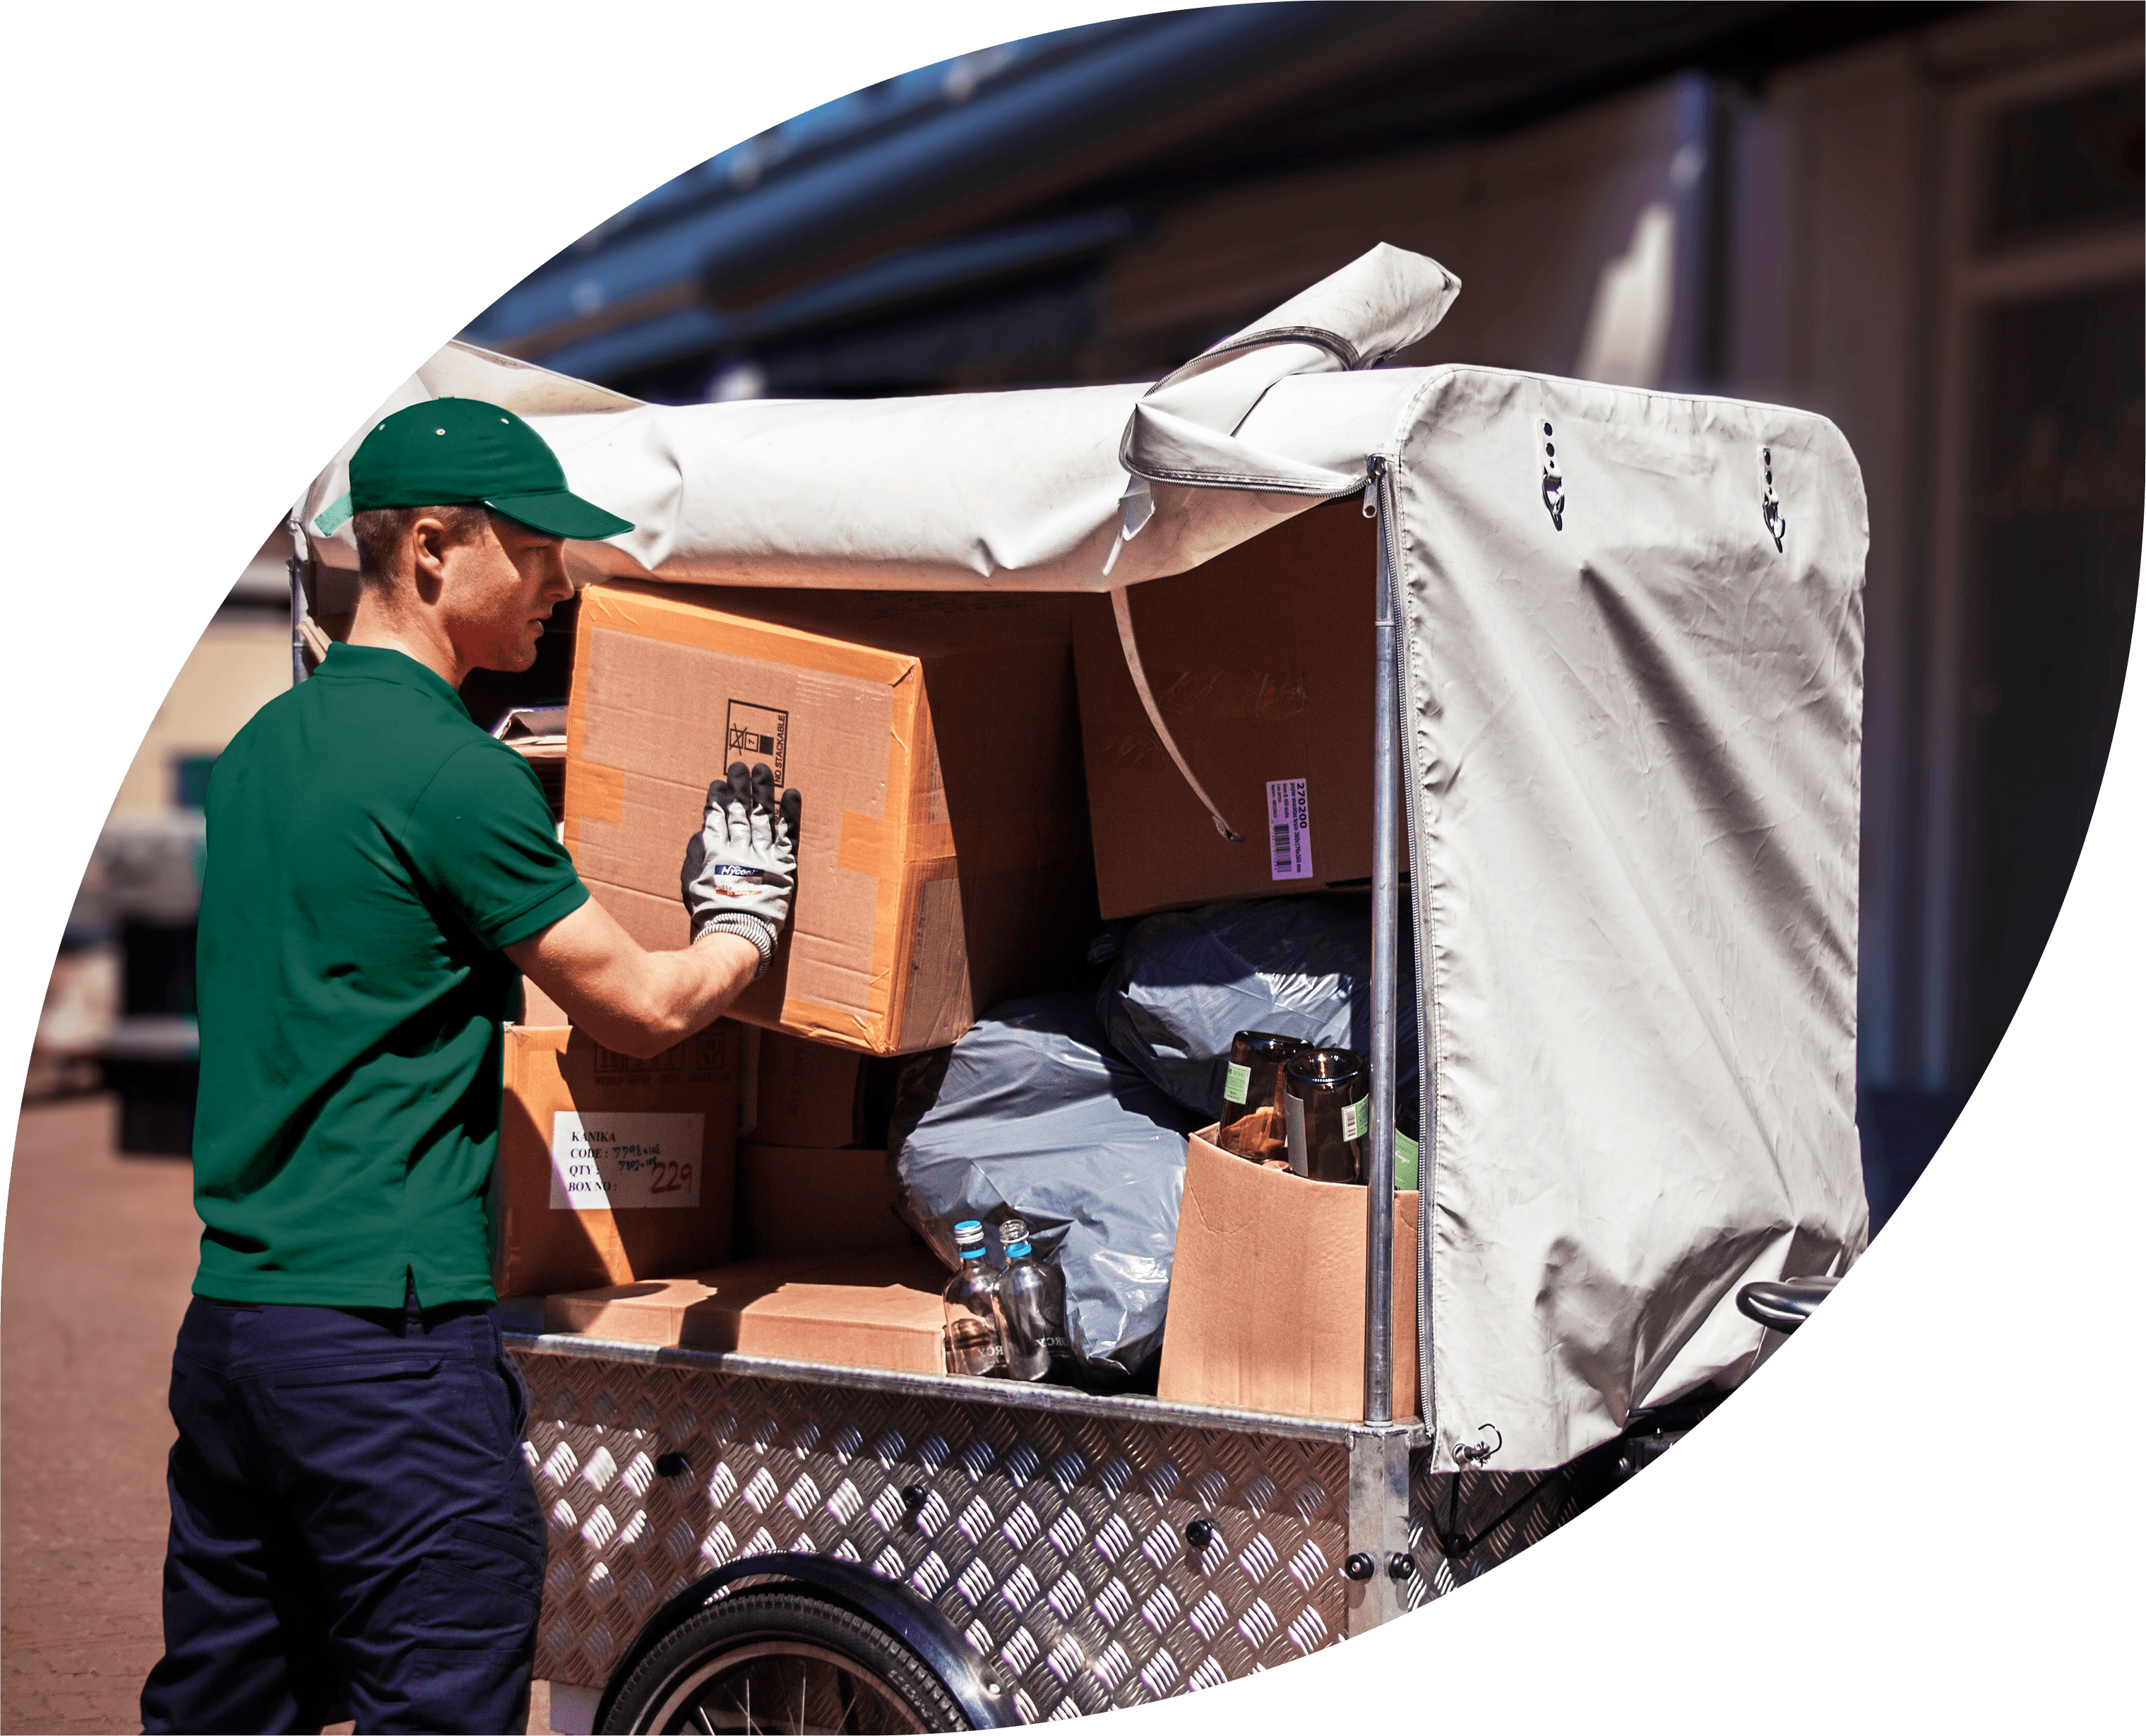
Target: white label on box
<point x="634" y="1159"/>
<point x="1288" y="829"/>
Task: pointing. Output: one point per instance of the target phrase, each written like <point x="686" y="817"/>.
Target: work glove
<point x="741" y="865"/>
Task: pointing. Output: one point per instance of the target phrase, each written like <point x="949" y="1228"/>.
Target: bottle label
<point x="1404" y="1164"/>
<point x="1288" y="829"/>
<point x="972" y="1348"/>
<point x="1236" y="1083"/>
<point x="1356" y="1119"/>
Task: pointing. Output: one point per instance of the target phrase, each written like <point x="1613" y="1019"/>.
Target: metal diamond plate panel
<point x="1057" y="1542"/>
<point x="1483" y="1518"/>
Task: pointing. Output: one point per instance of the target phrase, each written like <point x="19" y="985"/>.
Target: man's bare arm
<point x="627" y="998"/>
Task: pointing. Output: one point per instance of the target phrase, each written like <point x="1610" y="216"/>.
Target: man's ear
<point x="427" y="546"/>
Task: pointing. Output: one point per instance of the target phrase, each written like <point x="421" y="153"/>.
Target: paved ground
<point x="99" y="1254"/>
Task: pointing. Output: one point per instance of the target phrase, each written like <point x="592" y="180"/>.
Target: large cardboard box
<point x="1261" y="662"/>
<point x="944" y="862"/>
<point x="806" y="1094"/>
<point x="879" y="1309"/>
<point x="1266" y="1292"/>
<point x="796" y="1199"/>
<point x="612" y="1169"/>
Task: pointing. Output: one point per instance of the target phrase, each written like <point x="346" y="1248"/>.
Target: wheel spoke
<point x="786" y="1664"/>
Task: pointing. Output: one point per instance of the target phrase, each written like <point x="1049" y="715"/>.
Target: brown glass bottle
<point x="1327" y="1110"/>
<point x="1251" y="1095"/>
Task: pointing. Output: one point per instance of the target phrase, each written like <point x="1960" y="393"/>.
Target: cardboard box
<point x="1261" y="662"/>
<point x="612" y="1169"/>
<point x="1266" y="1295"/>
<point x="793" y="1200"/>
<point x="806" y="1093"/>
<point x="944" y="860"/>
<point x="539" y="1010"/>
<point x="874" y="1310"/>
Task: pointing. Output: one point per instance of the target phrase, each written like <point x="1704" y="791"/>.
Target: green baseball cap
<point x="463" y="451"/>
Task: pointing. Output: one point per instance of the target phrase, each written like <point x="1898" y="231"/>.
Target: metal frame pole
<point x="1385" y="913"/>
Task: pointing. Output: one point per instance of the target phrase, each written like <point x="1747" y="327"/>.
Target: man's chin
<point x="510" y="659"/>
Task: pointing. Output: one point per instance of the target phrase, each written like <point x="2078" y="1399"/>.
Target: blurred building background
<point x="119" y="1006"/>
<point x="1926" y="221"/>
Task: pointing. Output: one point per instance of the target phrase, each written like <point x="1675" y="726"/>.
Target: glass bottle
<point x="975" y="1340"/>
<point x="1326" y="1110"/>
<point x="1406" y="1150"/>
<point x="1251" y="1095"/>
<point x="1032" y="1303"/>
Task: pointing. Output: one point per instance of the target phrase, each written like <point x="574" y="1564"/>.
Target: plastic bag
<point x="1185" y="982"/>
<point x="1031" y="1116"/>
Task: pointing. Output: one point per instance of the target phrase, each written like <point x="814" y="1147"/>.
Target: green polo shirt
<point x="370" y="851"/>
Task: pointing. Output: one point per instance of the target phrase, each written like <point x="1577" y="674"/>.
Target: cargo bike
<point x="1617" y="663"/>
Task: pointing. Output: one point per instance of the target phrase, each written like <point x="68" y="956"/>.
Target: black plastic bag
<point x="1030" y="1115"/>
<point x="1185" y="982"/>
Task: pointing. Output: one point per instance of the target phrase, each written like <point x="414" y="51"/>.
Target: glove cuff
<point x="747" y="927"/>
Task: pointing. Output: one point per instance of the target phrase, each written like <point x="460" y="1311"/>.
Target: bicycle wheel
<point x="774" y="1661"/>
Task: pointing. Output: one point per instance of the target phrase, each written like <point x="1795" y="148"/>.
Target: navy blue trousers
<point x="353" y="1530"/>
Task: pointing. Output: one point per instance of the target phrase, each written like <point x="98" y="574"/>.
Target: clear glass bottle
<point x="1032" y="1303"/>
<point x="1252" y="1126"/>
<point x="975" y="1340"/>
<point x="1326" y="1107"/>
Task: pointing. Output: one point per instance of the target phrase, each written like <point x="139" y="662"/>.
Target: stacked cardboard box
<point x="810" y="1180"/>
<point x="1260" y="663"/>
<point x="943" y="860"/>
<point x="612" y="1168"/>
<point x="875" y="1309"/>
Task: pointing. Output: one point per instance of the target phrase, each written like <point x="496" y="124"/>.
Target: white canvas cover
<point x="1633" y="742"/>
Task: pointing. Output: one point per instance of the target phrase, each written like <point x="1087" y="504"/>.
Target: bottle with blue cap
<point x="1032" y="1303"/>
<point x="975" y="1340"/>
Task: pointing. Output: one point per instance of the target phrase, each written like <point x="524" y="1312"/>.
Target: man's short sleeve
<point x="481" y="838"/>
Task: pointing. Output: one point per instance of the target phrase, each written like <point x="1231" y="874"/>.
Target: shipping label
<point x="1288" y="829"/>
<point x="635" y="1159"/>
<point x="757" y="733"/>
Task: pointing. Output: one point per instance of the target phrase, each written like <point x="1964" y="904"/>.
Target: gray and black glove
<point x="741" y="865"/>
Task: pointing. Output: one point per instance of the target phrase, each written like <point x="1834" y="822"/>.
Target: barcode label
<point x="1356" y="1119"/>
<point x="1288" y="829"/>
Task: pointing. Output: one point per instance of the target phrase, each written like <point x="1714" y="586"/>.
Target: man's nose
<point x="558" y="585"/>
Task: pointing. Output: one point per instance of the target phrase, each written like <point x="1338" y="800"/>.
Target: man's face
<point x="496" y="590"/>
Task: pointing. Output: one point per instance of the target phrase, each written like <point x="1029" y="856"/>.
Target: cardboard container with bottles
<point x="1266" y="1292"/>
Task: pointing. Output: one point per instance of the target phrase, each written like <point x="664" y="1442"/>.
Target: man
<point x="352" y="1521"/>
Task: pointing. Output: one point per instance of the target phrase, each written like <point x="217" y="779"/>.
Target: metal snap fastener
<point x="1198" y="1534"/>
<point x="1360" y="1567"/>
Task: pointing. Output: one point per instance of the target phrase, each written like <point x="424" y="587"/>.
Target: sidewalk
<point x="100" y="1252"/>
